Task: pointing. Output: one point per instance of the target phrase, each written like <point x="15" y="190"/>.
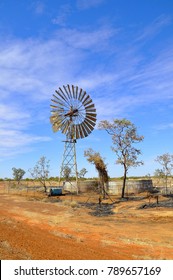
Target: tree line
<point x="124" y="137"/>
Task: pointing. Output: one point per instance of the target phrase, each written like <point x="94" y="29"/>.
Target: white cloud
<point x="14" y="142"/>
<point x="38" y="7"/>
<point x="13" y="136"/>
<point x="32" y="67"/>
<point x="154" y="28"/>
<point x="164" y="126"/>
<point x="7" y="113"/>
<point x="62" y="16"/>
<point x="87" y="4"/>
<point x="97" y="79"/>
<point x="13" y="117"/>
<point x="94" y="40"/>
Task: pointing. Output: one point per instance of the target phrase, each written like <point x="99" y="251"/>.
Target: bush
<point x="74" y="204"/>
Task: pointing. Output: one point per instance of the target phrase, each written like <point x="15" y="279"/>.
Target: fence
<point x="114" y="187"/>
<point x="11" y="187"/>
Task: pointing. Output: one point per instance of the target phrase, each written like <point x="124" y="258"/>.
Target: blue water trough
<point x="55" y="191"/>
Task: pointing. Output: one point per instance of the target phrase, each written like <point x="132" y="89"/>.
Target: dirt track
<point x="44" y="228"/>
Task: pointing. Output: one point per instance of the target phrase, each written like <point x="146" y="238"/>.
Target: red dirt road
<point x="50" y="229"/>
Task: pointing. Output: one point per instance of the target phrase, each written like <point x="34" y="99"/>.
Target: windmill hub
<point x="72" y="113"/>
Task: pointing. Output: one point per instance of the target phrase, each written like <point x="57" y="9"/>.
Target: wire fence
<point x="33" y="187"/>
<point x="12" y="187"/>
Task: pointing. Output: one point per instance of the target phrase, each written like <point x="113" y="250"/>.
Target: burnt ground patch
<point x="166" y="204"/>
<point x="99" y="210"/>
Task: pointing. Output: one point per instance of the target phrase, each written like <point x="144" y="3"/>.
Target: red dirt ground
<point x="38" y="227"/>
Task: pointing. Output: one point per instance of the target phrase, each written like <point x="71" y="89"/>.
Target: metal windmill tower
<point x="74" y="114"/>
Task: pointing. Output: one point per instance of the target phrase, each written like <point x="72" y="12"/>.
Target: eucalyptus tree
<point x="82" y="173"/>
<point x="41" y="171"/>
<point x="124" y="136"/>
<point x="18" y="174"/>
<point x="158" y="173"/>
<point x="66" y="172"/>
<point x="166" y="160"/>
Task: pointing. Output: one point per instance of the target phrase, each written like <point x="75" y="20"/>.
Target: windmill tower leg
<point x="69" y="165"/>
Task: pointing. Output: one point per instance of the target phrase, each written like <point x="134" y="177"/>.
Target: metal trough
<point x="55" y="191"/>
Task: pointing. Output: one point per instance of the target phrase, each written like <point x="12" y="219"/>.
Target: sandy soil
<point x="38" y="227"/>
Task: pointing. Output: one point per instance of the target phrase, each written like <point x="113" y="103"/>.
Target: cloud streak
<point x="154" y="28"/>
<point x="62" y="16"/>
<point x="13" y="136"/>
<point x="87" y="4"/>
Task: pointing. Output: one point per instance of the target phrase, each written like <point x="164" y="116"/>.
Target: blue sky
<point x="119" y="51"/>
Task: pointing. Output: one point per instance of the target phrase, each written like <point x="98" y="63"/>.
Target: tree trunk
<point x="124" y="183"/>
<point x="102" y="187"/>
<point x="44" y="185"/>
<point x="166" y="184"/>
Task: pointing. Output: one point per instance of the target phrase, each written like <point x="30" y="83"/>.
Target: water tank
<point x="55" y="191"/>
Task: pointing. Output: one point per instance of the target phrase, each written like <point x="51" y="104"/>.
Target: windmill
<point x="74" y="114"/>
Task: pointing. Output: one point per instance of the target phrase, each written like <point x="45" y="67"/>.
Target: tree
<point x="96" y="159"/>
<point x="124" y="136"/>
<point x="40" y="171"/>
<point x="82" y="173"/>
<point x="66" y="172"/>
<point x="18" y="174"/>
<point x="166" y="160"/>
<point x="158" y="173"/>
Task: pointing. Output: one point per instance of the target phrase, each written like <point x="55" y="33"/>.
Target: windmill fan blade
<point x="60" y="102"/>
<point x="89" y="117"/>
<point x="69" y="90"/>
<point x="91" y="110"/>
<point x="81" y="131"/>
<point x="90" y="121"/>
<point x="57" y="102"/>
<point x="84" y="130"/>
<point x="91" y="114"/>
<point x="63" y="97"/>
<point x="53" y="106"/>
<point x="87" y="127"/>
<point x="91" y="127"/>
<point x="73" y="91"/>
<point x="88" y="102"/>
<point x="83" y="95"/>
<point x="60" y="89"/>
<point x="77" y="133"/>
<point x="80" y="94"/>
<point x="65" y="127"/>
<point x="88" y="130"/>
<point x="77" y="92"/>
<point x="90" y="107"/>
<point x="86" y="99"/>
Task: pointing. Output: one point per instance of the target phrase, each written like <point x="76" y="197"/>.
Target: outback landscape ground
<point x="35" y="226"/>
